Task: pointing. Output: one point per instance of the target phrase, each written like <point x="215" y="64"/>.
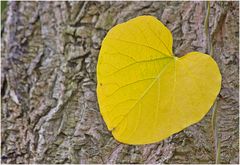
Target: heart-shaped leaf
<point x="145" y="93"/>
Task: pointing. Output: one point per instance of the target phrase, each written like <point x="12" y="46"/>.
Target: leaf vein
<point x="136" y="43"/>
<point x="159" y="38"/>
<point x="148" y="88"/>
<point x="126" y="85"/>
<point x="143" y="61"/>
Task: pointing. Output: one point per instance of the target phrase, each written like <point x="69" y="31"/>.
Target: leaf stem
<point x="217" y="142"/>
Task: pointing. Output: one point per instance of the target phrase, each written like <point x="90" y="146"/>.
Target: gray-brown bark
<point x="49" y="106"/>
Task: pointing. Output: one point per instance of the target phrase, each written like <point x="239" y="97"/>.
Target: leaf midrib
<point x="146" y="91"/>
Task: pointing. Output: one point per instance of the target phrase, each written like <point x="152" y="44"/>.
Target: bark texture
<point x="49" y="108"/>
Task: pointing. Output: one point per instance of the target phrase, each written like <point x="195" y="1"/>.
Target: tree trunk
<point x="49" y="107"/>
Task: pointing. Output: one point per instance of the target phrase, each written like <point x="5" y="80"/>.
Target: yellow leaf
<point x="145" y="93"/>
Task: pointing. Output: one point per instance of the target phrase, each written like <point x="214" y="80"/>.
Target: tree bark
<point x="49" y="107"/>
